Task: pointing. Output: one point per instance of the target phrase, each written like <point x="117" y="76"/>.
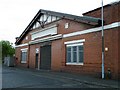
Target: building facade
<point x="63" y="42"/>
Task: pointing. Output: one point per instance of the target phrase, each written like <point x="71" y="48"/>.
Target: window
<point x="49" y="19"/>
<point x="66" y="25"/>
<point x="24" y="55"/>
<point x="53" y="18"/>
<point x="37" y="50"/>
<point x="42" y="18"/>
<point x="75" y="52"/>
<point x="37" y="24"/>
<point x="26" y="37"/>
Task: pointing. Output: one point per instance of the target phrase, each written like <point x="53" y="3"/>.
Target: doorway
<point x="45" y="57"/>
<point x="36" y="63"/>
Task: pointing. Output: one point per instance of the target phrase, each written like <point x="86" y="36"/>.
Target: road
<point x="19" y="78"/>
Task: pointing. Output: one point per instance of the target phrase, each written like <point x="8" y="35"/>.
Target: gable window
<point x="53" y="18"/>
<point x="74" y="53"/>
<point x="26" y="37"/>
<point x="66" y="25"/>
<point x="24" y="55"/>
<point x="49" y="19"/>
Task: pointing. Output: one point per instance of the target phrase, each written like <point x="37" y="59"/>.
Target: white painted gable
<point x="45" y="18"/>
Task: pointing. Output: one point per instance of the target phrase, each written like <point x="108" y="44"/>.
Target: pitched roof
<point x="83" y="19"/>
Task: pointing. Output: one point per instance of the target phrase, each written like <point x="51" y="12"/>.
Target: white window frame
<point x="66" y="25"/>
<point x="26" y="37"/>
<point x="71" y="44"/>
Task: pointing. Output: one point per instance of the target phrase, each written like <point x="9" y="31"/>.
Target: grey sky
<point x="15" y="15"/>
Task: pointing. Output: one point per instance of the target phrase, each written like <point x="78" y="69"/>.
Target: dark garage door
<point x="45" y="57"/>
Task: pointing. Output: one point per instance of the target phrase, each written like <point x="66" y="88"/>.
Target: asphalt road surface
<point x="19" y="78"/>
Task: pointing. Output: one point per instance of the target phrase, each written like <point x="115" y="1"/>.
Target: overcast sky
<point x="15" y="15"/>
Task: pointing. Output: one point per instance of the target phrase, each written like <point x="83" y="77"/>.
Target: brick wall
<point x="32" y="55"/>
<point x="56" y="55"/>
<point x="73" y="26"/>
<point x="92" y="46"/>
<point x="93" y="53"/>
<point x="111" y="13"/>
<point x="119" y="43"/>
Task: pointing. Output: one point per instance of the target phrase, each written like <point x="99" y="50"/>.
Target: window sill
<point x="74" y="63"/>
<point x="23" y="62"/>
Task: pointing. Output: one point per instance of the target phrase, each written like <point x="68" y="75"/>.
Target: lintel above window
<point x="75" y="41"/>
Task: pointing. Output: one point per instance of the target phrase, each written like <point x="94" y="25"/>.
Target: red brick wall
<point x="111" y="13"/>
<point x="73" y="26"/>
<point x="111" y="57"/>
<point x="32" y="55"/>
<point x="92" y="46"/>
<point x="93" y="52"/>
<point x="56" y="55"/>
<point x="119" y="52"/>
<point x="119" y="43"/>
<point x="24" y="39"/>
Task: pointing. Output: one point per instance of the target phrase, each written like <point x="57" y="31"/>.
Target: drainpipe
<point x="39" y="59"/>
<point x="28" y="55"/>
<point x="102" y="42"/>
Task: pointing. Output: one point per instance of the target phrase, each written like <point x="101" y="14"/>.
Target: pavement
<point x="107" y="83"/>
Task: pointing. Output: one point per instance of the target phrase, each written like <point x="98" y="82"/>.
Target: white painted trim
<point x="75" y="41"/>
<point x="113" y="25"/>
<point x="21" y="45"/>
<point x="76" y="44"/>
<point x="74" y="64"/>
<point x="23" y="61"/>
<point x="46" y="39"/>
<point x="110" y="26"/>
<point x="44" y="29"/>
<point x="24" y="49"/>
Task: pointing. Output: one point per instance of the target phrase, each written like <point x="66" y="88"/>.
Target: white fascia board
<point x="46" y="39"/>
<point x="82" y="32"/>
<point x="75" y="41"/>
<point x="106" y="27"/>
<point x="113" y="25"/>
<point x="21" y="45"/>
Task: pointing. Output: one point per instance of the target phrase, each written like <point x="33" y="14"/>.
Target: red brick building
<point x="62" y="42"/>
